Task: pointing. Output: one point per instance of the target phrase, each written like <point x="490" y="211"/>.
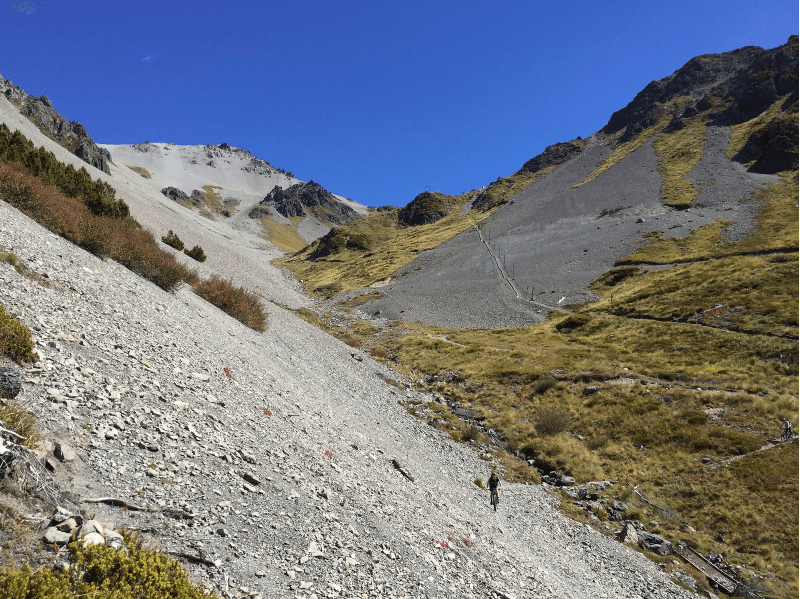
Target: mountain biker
<point x="494" y="486"/>
<point x="787" y="428"/>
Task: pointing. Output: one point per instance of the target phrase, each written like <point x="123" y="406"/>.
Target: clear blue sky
<point x="376" y="100"/>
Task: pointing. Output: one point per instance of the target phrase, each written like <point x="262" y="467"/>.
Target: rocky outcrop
<point x="732" y="88"/>
<point x="303" y="198"/>
<point x="554" y="155"/>
<point x="175" y="194"/>
<point x="427" y="207"/>
<point x="70" y="134"/>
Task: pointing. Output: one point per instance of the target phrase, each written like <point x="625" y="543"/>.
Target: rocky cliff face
<point x="70" y="134"/>
<point x="301" y="198"/>
<point x="737" y="86"/>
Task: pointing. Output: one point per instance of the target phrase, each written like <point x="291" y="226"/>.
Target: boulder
<point x="91" y="526"/>
<point x="64" y="451"/>
<point x="676" y="124"/>
<point x="10" y="382"/>
<point x="175" y="194"/>
<point x="53" y="536"/>
<point x="628" y="534"/>
<point x="93" y="538"/>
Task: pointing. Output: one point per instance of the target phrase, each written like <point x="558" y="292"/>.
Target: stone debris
<point x="304" y="502"/>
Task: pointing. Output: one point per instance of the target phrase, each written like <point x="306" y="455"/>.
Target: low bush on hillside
<point x="572" y="322"/>
<point x="552" y="420"/>
<point x="103" y="236"/>
<point x="544" y="384"/>
<point x="173" y="240"/>
<point x="196" y="253"/>
<point x="239" y="303"/>
<point x="15" y="339"/>
<point x="97" y="196"/>
<point x="98" y="571"/>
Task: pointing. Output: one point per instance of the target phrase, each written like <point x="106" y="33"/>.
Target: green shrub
<point x="99" y="571"/>
<point x="11" y="259"/>
<point x="104" y="236"/>
<point x="98" y="196"/>
<point x="235" y="301"/>
<point x="196" y="253"/>
<point x="173" y="240"/>
<point x="471" y="433"/>
<point x="15" y="339"/>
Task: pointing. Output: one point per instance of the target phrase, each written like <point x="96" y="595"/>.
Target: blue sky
<point x="375" y="100"/>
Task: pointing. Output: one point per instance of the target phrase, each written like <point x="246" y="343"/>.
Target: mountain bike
<point x="494" y="498"/>
<point x="787" y="434"/>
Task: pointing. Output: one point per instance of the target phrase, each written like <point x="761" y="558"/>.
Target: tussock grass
<point x="15" y="339"/>
<point x="391" y="247"/>
<point x="661" y="116"/>
<point x="498" y="192"/>
<point x="679" y="152"/>
<point x="776" y="231"/>
<point x="140" y="170"/>
<point x="237" y="302"/>
<point x="284" y="236"/>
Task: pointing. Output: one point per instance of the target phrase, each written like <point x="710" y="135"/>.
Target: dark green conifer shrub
<point x="196" y="253"/>
<point x="173" y="240"/>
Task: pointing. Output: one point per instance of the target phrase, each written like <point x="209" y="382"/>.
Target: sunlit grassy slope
<point x="380" y="246"/>
<point x="670" y="389"/>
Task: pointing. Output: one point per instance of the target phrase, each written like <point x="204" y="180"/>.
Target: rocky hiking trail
<point x="265" y="461"/>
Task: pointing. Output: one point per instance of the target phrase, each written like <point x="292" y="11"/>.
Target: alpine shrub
<point x="15" y="339"/>
<point x="173" y="240"/>
<point x="196" y="253"/>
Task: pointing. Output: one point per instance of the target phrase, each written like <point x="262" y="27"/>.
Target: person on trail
<point x="787" y="428"/>
<point x="494" y="487"/>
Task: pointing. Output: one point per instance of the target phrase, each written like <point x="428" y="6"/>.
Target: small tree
<point x="197" y="253"/>
<point x="173" y="240"/>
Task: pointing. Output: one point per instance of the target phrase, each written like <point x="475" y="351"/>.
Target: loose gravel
<point x="280" y="445"/>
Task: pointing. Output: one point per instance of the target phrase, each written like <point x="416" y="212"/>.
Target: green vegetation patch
<point x="743" y="131"/>
<point x="172" y="240"/>
<point x="15" y="339"/>
<point x="284" y="236"/>
<point x="133" y="572"/>
<point x="98" y="196"/>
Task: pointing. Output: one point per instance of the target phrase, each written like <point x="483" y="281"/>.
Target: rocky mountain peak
<point x="70" y="134"/>
<point x="303" y="198"/>
<point x="736" y="86"/>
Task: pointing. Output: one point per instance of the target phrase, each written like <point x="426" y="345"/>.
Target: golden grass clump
<point x="679" y="152"/>
<point x="237" y="302"/>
